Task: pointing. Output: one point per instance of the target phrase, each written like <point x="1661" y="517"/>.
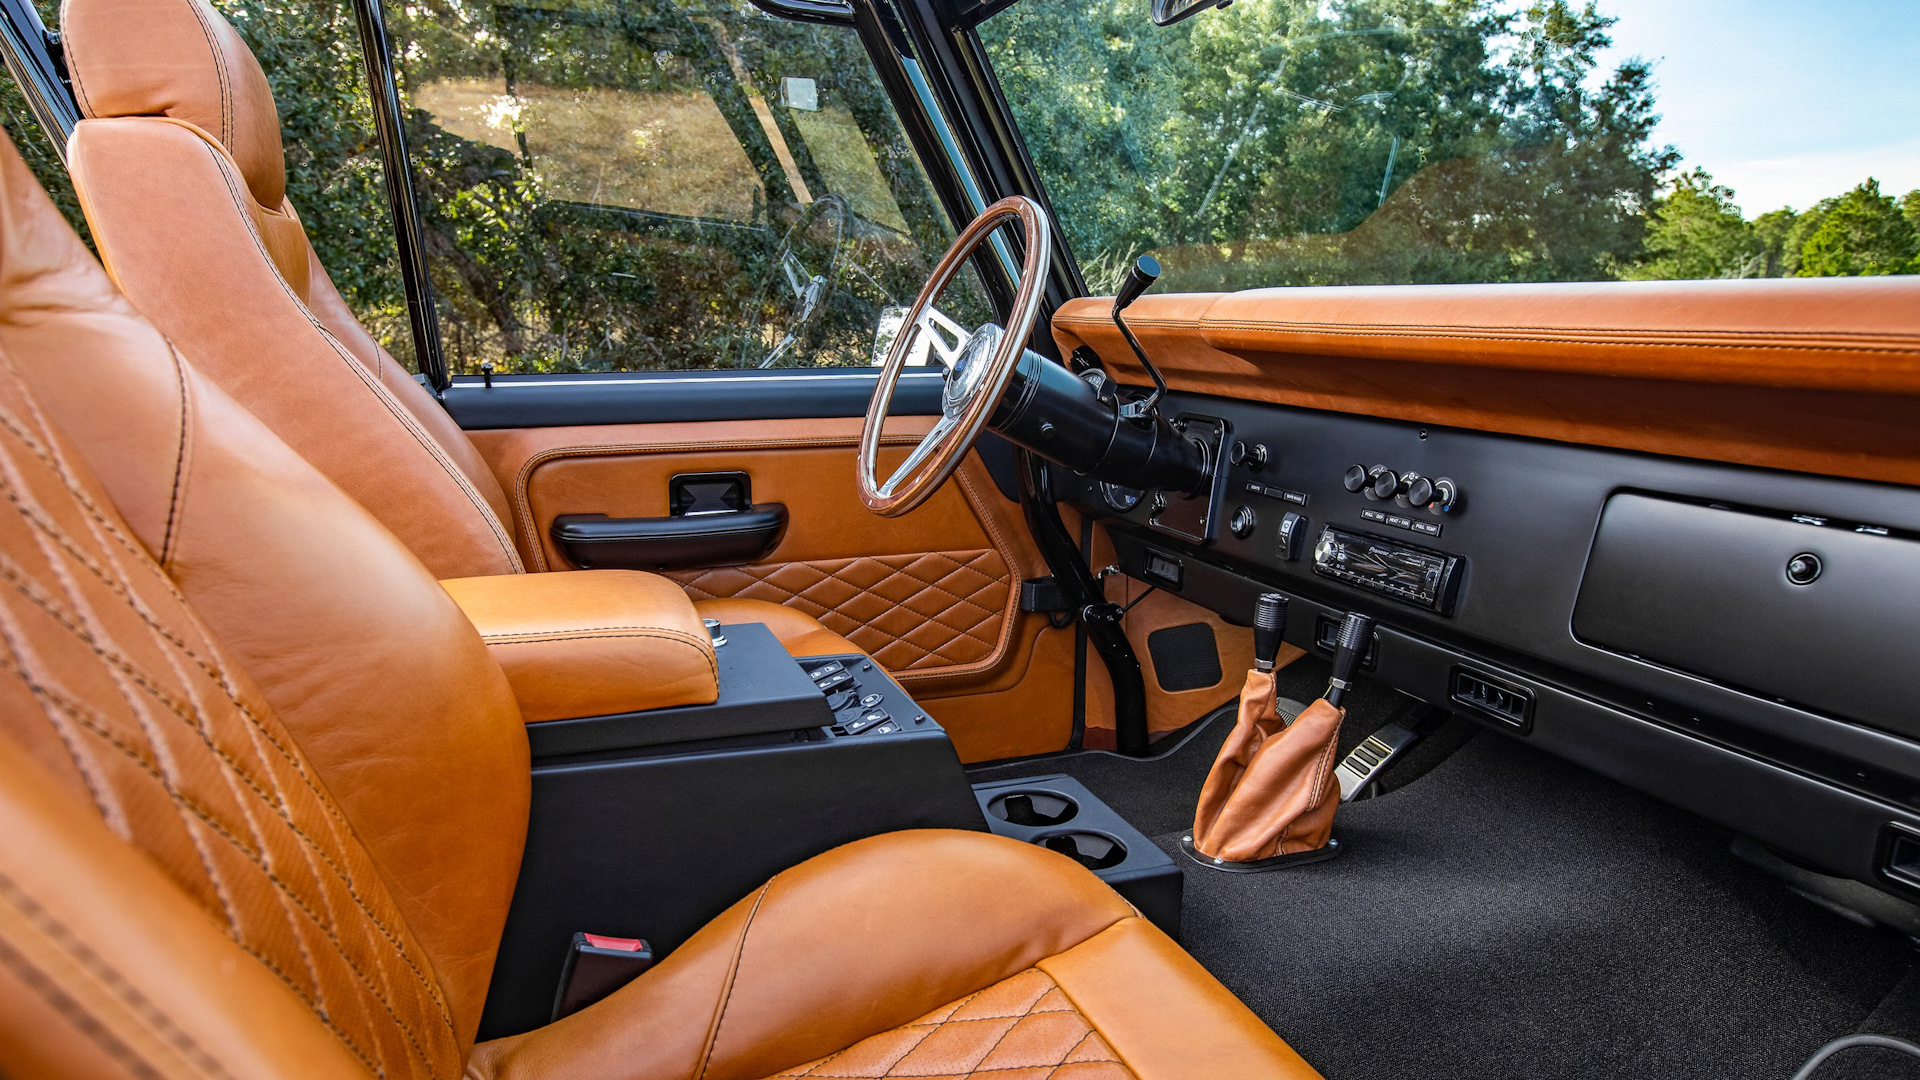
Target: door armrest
<point x="596" y="541"/>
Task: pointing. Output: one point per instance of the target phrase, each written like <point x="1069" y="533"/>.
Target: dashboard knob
<point x="1418" y="489"/>
<point x="1445" y="494"/>
<point x="1356" y="478"/>
<point x="1384" y="483"/>
<point x="1242" y="522"/>
<point x="1257" y="455"/>
<point x="1237" y="455"/>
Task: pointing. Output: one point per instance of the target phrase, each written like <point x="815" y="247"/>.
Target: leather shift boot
<point x="1272" y="791"/>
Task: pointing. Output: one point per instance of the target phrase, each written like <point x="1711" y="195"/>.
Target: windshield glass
<point x="1321" y="142"/>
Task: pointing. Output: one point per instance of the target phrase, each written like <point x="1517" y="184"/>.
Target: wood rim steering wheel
<point x="977" y="373"/>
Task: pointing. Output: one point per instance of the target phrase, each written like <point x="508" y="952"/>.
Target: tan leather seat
<point x="264" y="795"/>
<point x="181" y="173"/>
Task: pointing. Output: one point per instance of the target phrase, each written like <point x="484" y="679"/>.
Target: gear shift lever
<point x="1269" y="629"/>
<point x="1270" y="798"/>
<point x="1356" y="633"/>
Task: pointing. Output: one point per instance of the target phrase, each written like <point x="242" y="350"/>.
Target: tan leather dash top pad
<point x="592" y="642"/>
<point x="937" y="609"/>
<point x="1024" y="1027"/>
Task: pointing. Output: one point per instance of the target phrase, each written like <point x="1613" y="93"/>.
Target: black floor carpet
<point x="1511" y="915"/>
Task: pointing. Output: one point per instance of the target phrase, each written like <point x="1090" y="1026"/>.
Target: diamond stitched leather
<point x="1024" y="1028"/>
<point x="113" y="684"/>
<point x="913" y="613"/>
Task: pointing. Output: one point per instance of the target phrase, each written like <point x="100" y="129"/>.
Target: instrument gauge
<point x="1120" y="499"/>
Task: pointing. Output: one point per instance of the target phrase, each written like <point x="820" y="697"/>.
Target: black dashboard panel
<point x="1829" y="615"/>
<point x="1519" y="533"/>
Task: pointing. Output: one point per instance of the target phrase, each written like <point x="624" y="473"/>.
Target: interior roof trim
<point x="1812" y="375"/>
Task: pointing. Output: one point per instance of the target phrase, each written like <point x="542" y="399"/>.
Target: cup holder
<point x="1095" y="851"/>
<point x="1035" y="809"/>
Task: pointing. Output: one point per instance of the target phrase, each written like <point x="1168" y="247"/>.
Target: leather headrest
<point x="177" y="58"/>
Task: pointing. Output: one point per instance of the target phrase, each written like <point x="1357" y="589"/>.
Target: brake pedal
<point x="1365" y="762"/>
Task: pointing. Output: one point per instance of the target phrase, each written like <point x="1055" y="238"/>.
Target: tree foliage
<point x="1352" y="141"/>
<point x="1275" y="142"/>
<point x="1862" y="233"/>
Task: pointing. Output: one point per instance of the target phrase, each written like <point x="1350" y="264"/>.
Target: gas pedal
<point x="1365" y="762"/>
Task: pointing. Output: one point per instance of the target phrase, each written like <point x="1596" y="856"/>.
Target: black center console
<point x="650" y="824"/>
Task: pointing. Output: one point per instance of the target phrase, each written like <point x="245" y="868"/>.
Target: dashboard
<point x="1735" y="640"/>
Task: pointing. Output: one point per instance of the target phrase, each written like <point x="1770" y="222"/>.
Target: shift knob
<point x="1269" y="629"/>
<point x="1350" y="644"/>
<point x="1145" y="272"/>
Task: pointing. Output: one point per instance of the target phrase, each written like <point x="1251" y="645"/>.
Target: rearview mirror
<point x="1168" y="12"/>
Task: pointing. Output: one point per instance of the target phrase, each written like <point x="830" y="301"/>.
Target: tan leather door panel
<point x="934" y="595"/>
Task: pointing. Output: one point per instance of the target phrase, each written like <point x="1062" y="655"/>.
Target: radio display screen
<point x="1412" y="575"/>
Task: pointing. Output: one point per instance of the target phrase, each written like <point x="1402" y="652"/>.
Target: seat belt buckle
<point x="596" y="966"/>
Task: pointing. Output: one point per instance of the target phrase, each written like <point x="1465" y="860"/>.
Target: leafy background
<point x="1278" y="142"/>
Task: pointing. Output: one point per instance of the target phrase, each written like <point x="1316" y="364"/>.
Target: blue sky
<point x="1785" y="101"/>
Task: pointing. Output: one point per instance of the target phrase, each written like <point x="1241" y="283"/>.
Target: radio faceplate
<point x="1411" y="575"/>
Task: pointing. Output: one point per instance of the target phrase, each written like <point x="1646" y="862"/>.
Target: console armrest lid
<point x="592" y="642"/>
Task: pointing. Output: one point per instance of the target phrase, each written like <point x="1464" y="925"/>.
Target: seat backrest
<point x="252" y="757"/>
<point x="182" y="176"/>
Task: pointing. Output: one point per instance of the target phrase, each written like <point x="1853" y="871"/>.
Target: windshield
<point x="1324" y="142"/>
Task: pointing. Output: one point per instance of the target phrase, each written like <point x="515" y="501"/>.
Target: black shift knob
<point x="1269" y="629"/>
<point x="1350" y="647"/>
<point x="1145" y="272"/>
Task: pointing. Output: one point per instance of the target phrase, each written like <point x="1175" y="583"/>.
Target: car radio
<point x="1411" y="575"/>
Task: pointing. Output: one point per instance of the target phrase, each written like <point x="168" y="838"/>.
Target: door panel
<point x="934" y="594"/>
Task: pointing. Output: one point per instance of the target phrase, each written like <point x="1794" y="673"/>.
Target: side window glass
<point x="638" y="185"/>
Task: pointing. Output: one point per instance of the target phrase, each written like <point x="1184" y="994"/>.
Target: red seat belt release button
<point x="596" y="966"/>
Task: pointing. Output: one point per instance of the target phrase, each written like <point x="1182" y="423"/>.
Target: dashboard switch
<point x="1242" y="522"/>
<point x="1293" y="528"/>
<point x="1252" y="455"/>
<point x="1418" y="489"/>
<point x="1356" y="478"/>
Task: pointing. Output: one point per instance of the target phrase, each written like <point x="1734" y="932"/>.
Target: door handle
<point x="682" y="542"/>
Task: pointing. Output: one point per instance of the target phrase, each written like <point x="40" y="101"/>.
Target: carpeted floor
<point x="1510" y="915"/>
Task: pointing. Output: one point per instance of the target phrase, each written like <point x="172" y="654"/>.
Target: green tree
<point x="1863" y="233"/>
<point x="1772" y="231"/>
<point x="1695" y="231"/>
<point x="1299" y="142"/>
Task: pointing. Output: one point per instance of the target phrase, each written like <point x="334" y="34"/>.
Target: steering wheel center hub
<point x="970" y="368"/>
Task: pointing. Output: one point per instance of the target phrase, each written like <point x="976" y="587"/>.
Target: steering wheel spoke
<point x="977" y="365"/>
<point x="929" y="445"/>
<point x="938" y="338"/>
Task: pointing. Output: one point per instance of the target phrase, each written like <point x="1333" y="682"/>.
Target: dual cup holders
<point x="1040" y="808"/>
<point x="1058" y="813"/>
